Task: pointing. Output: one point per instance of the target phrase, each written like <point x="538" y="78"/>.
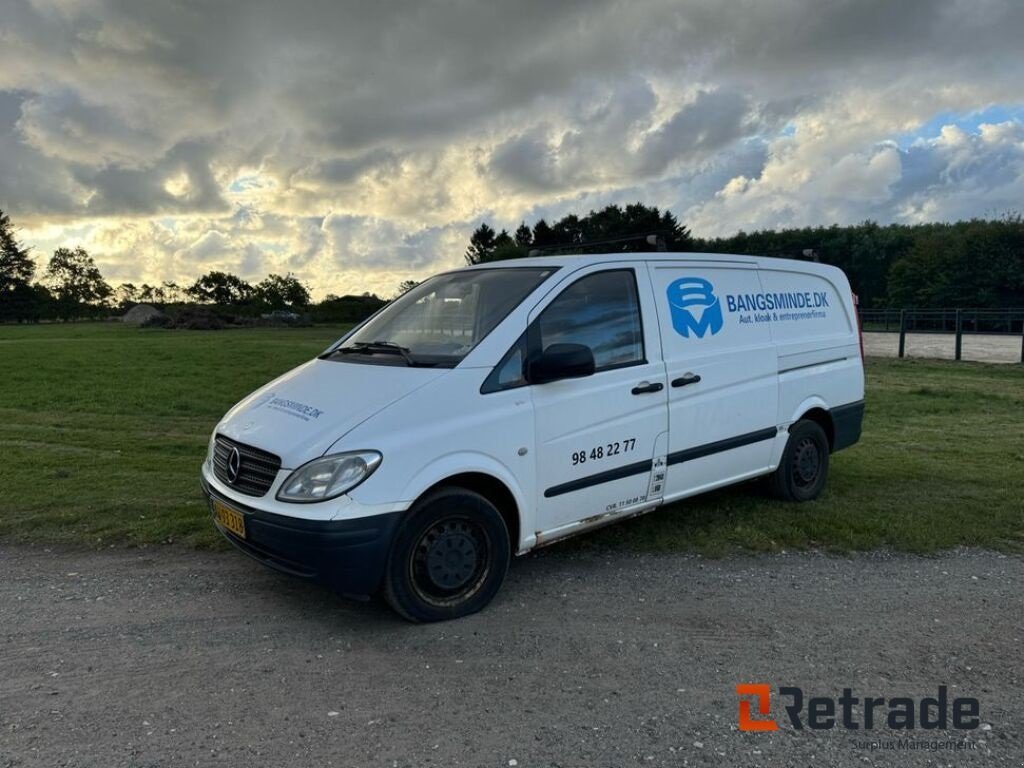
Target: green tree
<point x="279" y="292"/>
<point x="481" y="245"/>
<point x="568" y="231"/>
<point x="150" y="294"/>
<point x="507" y="247"/>
<point x="221" y="288"/>
<point x="76" y="282"/>
<point x="628" y="227"/>
<point x="967" y="264"/>
<point x="543" y="235"/>
<point x="173" y="294"/>
<point x="523" y="235"/>
<point x="26" y="303"/>
<point x="16" y="266"/>
<point x="126" y="295"/>
<point x="406" y="285"/>
<point x="978" y="263"/>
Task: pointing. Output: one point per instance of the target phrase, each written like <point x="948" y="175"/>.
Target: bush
<point x="346" y="309"/>
<point x="279" y="321"/>
<point x="156" y="321"/>
<point x="197" y="319"/>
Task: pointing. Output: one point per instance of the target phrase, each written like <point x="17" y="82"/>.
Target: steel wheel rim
<point x="450" y="561"/>
<point x="806" y="463"/>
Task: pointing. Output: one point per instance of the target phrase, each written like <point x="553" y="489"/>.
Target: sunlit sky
<point x="358" y="144"/>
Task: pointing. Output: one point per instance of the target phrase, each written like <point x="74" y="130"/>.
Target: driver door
<point x="597" y="436"/>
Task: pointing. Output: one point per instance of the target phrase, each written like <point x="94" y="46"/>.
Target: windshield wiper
<point x="381" y="347"/>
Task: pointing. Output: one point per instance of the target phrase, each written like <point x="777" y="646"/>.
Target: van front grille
<point x="256" y="469"/>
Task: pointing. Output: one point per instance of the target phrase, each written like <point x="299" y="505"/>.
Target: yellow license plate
<point x="231" y="519"/>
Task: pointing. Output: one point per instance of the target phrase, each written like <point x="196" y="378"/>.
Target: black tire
<point x="803" y="471"/>
<point x="448" y="558"/>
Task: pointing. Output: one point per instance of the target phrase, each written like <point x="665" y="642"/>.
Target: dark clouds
<point x="412" y="120"/>
<point x="596" y="151"/>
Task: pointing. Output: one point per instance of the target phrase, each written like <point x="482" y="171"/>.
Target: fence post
<point x="903" y="331"/>
<point x="1022" y="343"/>
<point x="959" y="333"/>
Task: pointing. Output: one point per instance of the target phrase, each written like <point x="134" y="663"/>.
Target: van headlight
<point x="329" y="476"/>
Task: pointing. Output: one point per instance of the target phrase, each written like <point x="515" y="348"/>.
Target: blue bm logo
<point x="687" y="292"/>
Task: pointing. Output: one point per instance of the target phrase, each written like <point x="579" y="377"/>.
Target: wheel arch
<point x="816" y="409"/>
<point x="482" y="475"/>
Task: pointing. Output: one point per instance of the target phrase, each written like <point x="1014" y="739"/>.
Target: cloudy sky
<point x="357" y="144"/>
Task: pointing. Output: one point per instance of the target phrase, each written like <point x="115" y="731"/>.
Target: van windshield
<point x="439" y="321"/>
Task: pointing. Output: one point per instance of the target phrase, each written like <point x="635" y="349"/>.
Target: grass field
<point x="103" y="428"/>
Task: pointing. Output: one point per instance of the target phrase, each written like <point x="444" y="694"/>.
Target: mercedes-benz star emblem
<point x="234" y="465"/>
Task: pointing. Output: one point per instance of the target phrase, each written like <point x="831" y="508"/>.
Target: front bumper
<point x="347" y="555"/>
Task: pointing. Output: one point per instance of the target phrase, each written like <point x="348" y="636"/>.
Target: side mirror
<point x="561" y="361"/>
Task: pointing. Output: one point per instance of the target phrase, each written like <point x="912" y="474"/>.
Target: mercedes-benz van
<point x="497" y="408"/>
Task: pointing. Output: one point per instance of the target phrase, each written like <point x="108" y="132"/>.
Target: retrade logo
<point x="853" y="712"/>
<point x="694" y="307"/>
<point x="762" y="695"/>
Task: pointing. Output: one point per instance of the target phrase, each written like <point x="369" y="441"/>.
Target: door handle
<point x="644" y="387"/>
<point x="687" y="378"/>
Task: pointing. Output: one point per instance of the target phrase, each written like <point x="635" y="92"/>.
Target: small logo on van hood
<point x="694" y="307"/>
<point x="285" y="405"/>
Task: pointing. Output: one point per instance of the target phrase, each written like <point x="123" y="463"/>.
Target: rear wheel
<point x="449" y="558"/>
<point x="803" y="471"/>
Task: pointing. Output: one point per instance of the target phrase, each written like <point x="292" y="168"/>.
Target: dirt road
<point x="169" y="658"/>
<point x="982" y="348"/>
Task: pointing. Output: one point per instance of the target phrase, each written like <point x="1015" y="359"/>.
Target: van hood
<point x="301" y="414"/>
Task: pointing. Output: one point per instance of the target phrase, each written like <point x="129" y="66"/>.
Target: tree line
<point x="71" y="287"/>
<point x="976" y="263"/>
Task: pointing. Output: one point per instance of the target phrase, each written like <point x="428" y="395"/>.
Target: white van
<point x="494" y="409"/>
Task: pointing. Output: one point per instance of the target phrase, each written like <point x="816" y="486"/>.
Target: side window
<point x="509" y="372"/>
<point x="602" y="311"/>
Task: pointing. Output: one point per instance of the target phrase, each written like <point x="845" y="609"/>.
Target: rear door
<point x="596" y="436"/>
<point x="722" y="373"/>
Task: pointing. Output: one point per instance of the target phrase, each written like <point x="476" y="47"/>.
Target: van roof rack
<point x="656" y="239"/>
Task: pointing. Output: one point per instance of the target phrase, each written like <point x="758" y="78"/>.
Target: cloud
<point x="806" y="179"/>
<point x="346" y="138"/>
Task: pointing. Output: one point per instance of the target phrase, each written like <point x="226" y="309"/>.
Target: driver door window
<point x="601" y="311"/>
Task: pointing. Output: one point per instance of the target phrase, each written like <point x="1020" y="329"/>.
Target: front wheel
<point x="803" y="471"/>
<point x="449" y="558"/>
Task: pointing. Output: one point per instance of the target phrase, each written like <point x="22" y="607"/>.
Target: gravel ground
<point x="162" y="657"/>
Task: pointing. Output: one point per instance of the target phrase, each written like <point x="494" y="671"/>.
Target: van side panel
<point x="814" y="328"/>
<point x="722" y="371"/>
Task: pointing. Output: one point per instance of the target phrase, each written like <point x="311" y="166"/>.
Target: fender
<point x="462" y="462"/>
<point x="814" y="401"/>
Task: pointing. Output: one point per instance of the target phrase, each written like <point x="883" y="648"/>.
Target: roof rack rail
<point x="656" y="239"/>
